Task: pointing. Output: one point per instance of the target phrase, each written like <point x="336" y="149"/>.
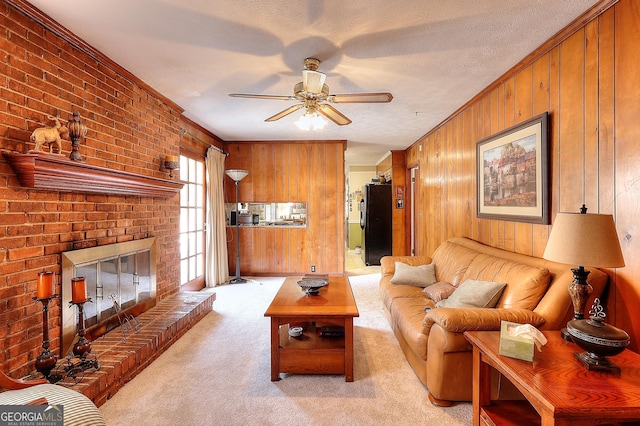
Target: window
<point x="192" y="220"/>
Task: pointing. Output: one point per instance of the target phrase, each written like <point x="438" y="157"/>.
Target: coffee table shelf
<point x="308" y="340"/>
<point x="311" y="353"/>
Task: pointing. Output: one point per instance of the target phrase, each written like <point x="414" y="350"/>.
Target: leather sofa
<point x="432" y="337"/>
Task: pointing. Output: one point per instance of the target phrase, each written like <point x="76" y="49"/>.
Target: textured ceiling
<point x="432" y="55"/>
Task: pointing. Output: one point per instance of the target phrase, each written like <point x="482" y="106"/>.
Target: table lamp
<point x="583" y="239"/>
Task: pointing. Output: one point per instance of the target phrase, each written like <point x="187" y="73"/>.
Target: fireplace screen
<point x="122" y="273"/>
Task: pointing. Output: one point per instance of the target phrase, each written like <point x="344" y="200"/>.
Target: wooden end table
<point x="310" y="353"/>
<point x="556" y="385"/>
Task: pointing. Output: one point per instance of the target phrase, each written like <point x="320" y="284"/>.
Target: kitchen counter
<point x="271" y="225"/>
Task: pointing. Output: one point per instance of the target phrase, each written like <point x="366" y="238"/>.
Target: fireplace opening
<point x="122" y="273"/>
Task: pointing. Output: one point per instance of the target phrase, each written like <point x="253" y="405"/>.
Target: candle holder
<point x="47" y="359"/>
<point x="71" y="370"/>
<point x="83" y="346"/>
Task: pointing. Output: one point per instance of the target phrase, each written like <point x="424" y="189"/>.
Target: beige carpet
<point x="219" y="374"/>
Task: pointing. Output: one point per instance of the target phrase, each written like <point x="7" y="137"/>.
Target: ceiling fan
<point x="314" y="95"/>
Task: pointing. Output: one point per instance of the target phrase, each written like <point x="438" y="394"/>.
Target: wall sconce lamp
<point x="171" y="163"/>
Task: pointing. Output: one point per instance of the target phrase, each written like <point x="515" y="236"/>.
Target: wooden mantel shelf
<point x="58" y="173"/>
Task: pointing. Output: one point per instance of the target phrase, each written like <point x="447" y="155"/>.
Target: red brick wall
<point x="130" y="127"/>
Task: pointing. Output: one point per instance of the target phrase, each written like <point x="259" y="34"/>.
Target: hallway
<point x="354" y="265"/>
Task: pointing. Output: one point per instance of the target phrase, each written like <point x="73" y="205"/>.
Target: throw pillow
<point x="439" y="291"/>
<point x="474" y="294"/>
<point x="420" y="276"/>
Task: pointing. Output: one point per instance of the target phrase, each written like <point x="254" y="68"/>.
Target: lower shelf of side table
<point x="509" y="413"/>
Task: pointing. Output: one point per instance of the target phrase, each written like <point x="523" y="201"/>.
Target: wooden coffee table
<point x="310" y="353"/>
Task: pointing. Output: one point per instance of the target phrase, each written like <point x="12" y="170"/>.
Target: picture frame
<point x="512" y="169"/>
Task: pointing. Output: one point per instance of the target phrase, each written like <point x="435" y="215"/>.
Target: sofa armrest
<point x="458" y="320"/>
<point x="388" y="263"/>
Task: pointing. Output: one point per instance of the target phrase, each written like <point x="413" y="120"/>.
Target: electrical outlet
<point x="313" y="268"/>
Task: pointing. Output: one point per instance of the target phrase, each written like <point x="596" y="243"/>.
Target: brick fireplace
<point x="118" y="276"/>
<point x="122" y="273"/>
<point x="131" y="128"/>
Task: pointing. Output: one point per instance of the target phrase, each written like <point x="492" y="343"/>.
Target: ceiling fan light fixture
<point x="313" y="95"/>
<point x="310" y="121"/>
<point x="313" y="81"/>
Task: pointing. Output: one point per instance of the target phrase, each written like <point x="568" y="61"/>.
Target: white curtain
<point x="216" y="266"/>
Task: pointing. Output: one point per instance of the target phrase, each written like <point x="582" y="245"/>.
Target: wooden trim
<point x="198" y="127"/>
<point x="57" y="173"/>
<point x="302" y="142"/>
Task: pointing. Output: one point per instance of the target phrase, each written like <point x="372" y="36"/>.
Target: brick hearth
<point x="160" y="327"/>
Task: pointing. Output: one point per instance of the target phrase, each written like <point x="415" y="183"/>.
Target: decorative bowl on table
<point x="312" y="285"/>
<point x="598" y="339"/>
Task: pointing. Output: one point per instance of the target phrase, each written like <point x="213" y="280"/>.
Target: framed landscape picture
<point x="512" y="173"/>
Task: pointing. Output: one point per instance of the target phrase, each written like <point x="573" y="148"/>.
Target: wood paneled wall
<point x="384" y="167"/>
<point x="393" y="168"/>
<point x="311" y="172"/>
<point x="589" y="82"/>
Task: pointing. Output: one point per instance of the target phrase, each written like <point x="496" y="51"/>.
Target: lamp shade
<point x="313" y="81"/>
<point x="584" y="240"/>
<point x="237" y="174"/>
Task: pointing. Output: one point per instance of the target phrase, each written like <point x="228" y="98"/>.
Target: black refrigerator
<point x="375" y="220"/>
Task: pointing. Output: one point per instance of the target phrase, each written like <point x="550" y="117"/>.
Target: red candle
<point x="78" y="290"/>
<point x="45" y="285"/>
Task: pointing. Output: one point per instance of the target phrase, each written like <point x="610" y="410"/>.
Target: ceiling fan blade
<point x="273" y="97"/>
<point x="352" y="98"/>
<point x="333" y="114"/>
<point x="285" y="112"/>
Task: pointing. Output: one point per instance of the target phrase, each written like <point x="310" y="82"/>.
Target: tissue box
<point x="515" y="347"/>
